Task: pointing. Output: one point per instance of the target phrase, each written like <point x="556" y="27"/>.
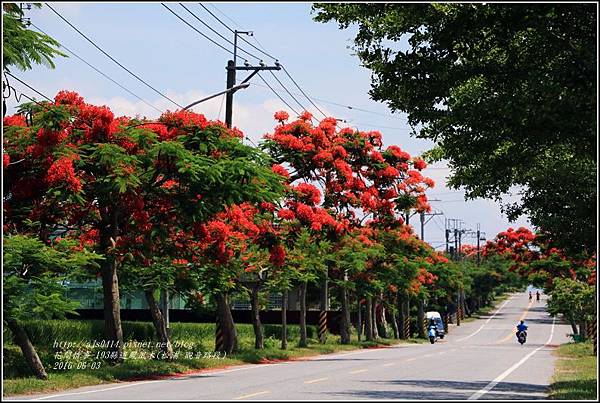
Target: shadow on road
<point x="458" y="390"/>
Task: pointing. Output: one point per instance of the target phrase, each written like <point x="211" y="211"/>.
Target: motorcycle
<point x="432" y="334"/>
<point x="522" y="337"/>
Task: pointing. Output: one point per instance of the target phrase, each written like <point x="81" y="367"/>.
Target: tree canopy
<point x="507" y="91"/>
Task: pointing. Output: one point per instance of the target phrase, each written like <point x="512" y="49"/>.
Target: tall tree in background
<point x="507" y="91"/>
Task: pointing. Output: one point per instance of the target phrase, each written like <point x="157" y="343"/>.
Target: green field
<point x="575" y="376"/>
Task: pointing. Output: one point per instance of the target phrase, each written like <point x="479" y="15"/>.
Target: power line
<point x="274" y="76"/>
<point x="221" y="36"/>
<point x="286" y="90"/>
<point x="233" y="31"/>
<point x="100" y="72"/>
<point x="112" y="58"/>
<point x="201" y="33"/>
<point x="277" y="94"/>
<point x="28" y="86"/>
<point x="348" y="107"/>
<point x="224" y="15"/>
<point x="304" y="93"/>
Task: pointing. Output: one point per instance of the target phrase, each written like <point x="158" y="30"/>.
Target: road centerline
<point x="487" y="321"/>
<point x="316" y="380"/>
<point x="252" y="395"/>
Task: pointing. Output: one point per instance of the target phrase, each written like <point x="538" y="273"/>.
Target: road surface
<point x="477" y="360"/>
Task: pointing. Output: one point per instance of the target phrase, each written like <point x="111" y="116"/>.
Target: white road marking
<point x="252" y="394"/>
<point x="389" y="364"/>
<point x="99" y="390"/>
<point x="486" y="322"/>
<point x="506" y="373"/>
<point x="358" y="371"/>
<point x="316" y="380"/>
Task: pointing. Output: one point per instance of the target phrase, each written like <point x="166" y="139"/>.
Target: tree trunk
<point x="369" y="318"/>
<point x="394" y="321"/>
<point x="384" y="330"/>
<point x="228" y="332"/>
<point x="573" y="326"/>
<point x="110" y="286"/>
<point x="358" y="318"/>
<point x="303" y="339"/>
<point x="374" y="319"/>
<point x="284" y="307"/>
<point x="21" y="339"/>
<point x="401" y="316"/>
<point x="421" y="318"/>
<point x="259" y="340"/>
<point x="583" y="330"/>
<point x="160" y="325"/>
<point x="345" y="319"/>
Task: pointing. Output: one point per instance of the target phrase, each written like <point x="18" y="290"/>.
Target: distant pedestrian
<point x="537" y="296"/>
<point x="530" y="296"/>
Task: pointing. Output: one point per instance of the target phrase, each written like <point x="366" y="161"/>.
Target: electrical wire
<point x="221" y="107"/>
<point x="348" y="107"/>
<point x="28" y="86"/>
<point x="217" y="33"/>
<point x="286" y="90"/>
<point x="201" y="33"/>
<point x="233" y="31"/>
<point x="277" y="94"/>
<point x="110" y="57"/>
<point x="100" y="72"/>
<point x="304" y="93"/>
<point x="279" y="81"/>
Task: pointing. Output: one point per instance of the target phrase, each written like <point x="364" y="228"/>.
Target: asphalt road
<point x="477" y="360"/>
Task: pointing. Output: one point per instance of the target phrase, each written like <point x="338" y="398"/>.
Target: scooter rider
<point x="432" y="332"/>
<point x="521" y="327"/>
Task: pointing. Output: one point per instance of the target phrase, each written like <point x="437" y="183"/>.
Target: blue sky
<point x="170" y="56"/>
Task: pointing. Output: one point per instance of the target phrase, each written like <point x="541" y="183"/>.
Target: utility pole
<point x="232" y="68"/>
<point x="479" y="238"/>
<point x="425" y="221"/>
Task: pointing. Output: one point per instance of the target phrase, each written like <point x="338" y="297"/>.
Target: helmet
<point x="522" y="321"/>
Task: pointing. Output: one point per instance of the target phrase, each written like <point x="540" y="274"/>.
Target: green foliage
<point x="507" y="92"/>
<point x="34" y="274"/>
<point x="23" y="47"/>
<point x="572" y="298"/>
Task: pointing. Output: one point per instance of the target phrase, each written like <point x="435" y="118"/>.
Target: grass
<point x="200" y="336"/>
<point x="575" y="376"/>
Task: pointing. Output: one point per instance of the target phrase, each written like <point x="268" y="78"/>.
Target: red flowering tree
<point x="534" y="257"/>
<point x="358" y="178"/>
<point x="79" y="168"/>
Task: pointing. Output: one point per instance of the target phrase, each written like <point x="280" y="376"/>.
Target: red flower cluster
<point x="281" y="116"/>
<point x="62" y="173"/>
<point x="308" y="193"/>
<point x="15" y="120"/>
<point x="279" y="170"/>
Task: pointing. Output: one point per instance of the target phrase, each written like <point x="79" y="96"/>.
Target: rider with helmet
<point x="521" y="327"/>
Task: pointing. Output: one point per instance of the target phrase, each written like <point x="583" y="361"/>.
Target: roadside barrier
<point x="219" y="335"/>
<point x="407" y="327"/>
<point x="322" y="326"/>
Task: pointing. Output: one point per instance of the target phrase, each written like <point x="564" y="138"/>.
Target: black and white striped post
<point x="218" y="335"/>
